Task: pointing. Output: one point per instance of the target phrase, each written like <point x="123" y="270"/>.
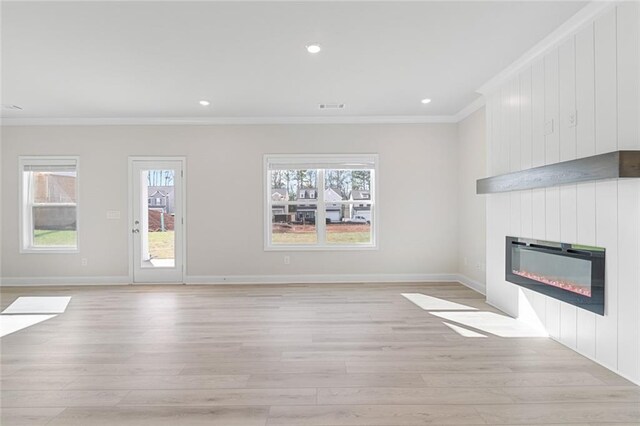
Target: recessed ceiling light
<point x="313" y="48"/>
<point x="205" y="103"/>
<point x="425" y="101"/>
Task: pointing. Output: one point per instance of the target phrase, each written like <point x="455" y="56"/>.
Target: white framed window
<point x="48" y="204"/>
<point x="329" y="202"/>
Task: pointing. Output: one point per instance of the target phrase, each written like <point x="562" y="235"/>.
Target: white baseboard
<point x="472" y="284"/>
<point x="319" y="278"/>
<point x="63" y="281"/>
<point x="253" y="279"/>
<point x="586" y="355"/>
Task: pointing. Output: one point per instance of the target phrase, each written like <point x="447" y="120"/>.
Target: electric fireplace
<point x="568" y="272"/>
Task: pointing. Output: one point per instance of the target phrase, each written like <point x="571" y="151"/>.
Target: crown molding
<point x="204" y="121"/>
<point x="470" y="109"/>
<point x="583" y="17"/>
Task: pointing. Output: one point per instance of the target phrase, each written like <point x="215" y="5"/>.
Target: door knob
<point x="135" y="230"/>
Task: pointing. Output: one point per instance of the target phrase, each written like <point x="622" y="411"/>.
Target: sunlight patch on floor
<point x="430" y="303"/>
<point x="12" y="323"/>
<point x="492" y="323"/>
<point x="464" y="332"/>
<point x="527" y="313"/>
<point x="38" y="305"/>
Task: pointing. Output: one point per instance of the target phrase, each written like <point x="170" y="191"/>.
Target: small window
<point x="49" y="204"/>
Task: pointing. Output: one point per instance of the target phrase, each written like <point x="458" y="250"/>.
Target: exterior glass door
<point x="157" y="228"/>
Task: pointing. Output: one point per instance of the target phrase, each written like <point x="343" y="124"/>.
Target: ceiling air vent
<point x="331" y="106"/>
<point x="11" y="107"/>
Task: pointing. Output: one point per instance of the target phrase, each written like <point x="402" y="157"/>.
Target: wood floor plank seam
<point x="293" y="355"/>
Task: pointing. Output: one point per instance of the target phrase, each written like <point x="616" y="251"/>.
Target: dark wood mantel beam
<point x="612" y="165"/>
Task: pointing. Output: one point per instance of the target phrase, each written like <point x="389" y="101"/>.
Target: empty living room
<point x="319" y="213"/>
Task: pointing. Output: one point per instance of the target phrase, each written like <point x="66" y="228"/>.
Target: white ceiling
<point x="158" y="59"/>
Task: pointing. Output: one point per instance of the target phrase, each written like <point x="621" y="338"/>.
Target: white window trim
<point x="314" y="160"/>
<point x="24" y="220"/>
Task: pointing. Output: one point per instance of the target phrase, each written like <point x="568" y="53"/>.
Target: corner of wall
<point x="471" y="208"/>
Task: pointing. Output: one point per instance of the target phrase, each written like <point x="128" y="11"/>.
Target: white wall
<point x="417" y="195"/>
<point x="471" y="207"/>
<point x="594" y="72"/>
<point x="1" y="209"/>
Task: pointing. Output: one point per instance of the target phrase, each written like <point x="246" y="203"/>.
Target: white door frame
<point x="183" y="188"/>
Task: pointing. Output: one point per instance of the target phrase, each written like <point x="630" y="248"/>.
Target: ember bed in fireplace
<point x="568" y="272"/>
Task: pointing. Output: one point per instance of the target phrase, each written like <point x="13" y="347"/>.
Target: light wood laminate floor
<point x="322" y="355"/>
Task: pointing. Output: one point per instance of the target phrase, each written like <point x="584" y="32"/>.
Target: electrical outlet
<point x="573" y="118"/>
<point x="84" y="261"/>
<point x="287" y="260"/>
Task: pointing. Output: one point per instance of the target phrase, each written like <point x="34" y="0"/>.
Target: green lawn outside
<point x="54" y="238"/>
<point x="294" y="238"/>
<point x="349" y="237"/>
<point x="333" y="237"/>
<point x="162" y="245"/>
<point x="306" y="234"/>
<point x="311" y="238"/>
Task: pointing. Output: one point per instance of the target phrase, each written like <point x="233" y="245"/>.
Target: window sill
<point x="49" y="251"/>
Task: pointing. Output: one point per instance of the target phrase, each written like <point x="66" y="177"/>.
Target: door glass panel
<point x="157" y="231"/>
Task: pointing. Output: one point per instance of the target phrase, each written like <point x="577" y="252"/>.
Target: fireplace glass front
<point x="568" y="272"/>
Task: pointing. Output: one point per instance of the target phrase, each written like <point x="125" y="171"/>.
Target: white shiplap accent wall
<point x="594" y="74"/>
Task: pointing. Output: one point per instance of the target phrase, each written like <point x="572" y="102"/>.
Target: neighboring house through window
<point x="320" y="201"/>
<point x="161" y="198"/>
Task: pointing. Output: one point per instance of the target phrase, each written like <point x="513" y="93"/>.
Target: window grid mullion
<point x="29" y="205"/>
<point x="321" y="224"/>
<point x="269" y="212"/>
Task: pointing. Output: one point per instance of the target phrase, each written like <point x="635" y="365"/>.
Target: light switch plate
<point x="548" y="127"/>
<point x="113" y="214"/>
<point x="573" y="118"/>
